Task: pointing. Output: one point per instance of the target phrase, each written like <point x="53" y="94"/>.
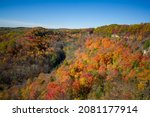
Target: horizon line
<point x="21" y="24"/>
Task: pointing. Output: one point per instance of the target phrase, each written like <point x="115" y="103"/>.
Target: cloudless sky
<point x="72" y="13"/>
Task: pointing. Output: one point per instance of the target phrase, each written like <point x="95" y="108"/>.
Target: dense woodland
<point x="107" y="62"/>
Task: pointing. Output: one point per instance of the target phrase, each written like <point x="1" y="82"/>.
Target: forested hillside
<point x="108" y="62"/>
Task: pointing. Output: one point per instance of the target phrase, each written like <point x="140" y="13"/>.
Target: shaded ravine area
<point x="28" y="53"/>
<point x="108" y="62"/>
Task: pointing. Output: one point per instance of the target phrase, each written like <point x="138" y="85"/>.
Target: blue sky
<point x="72" y="13"/>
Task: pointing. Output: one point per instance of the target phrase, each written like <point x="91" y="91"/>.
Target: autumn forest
<point x="110" y="62"/>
